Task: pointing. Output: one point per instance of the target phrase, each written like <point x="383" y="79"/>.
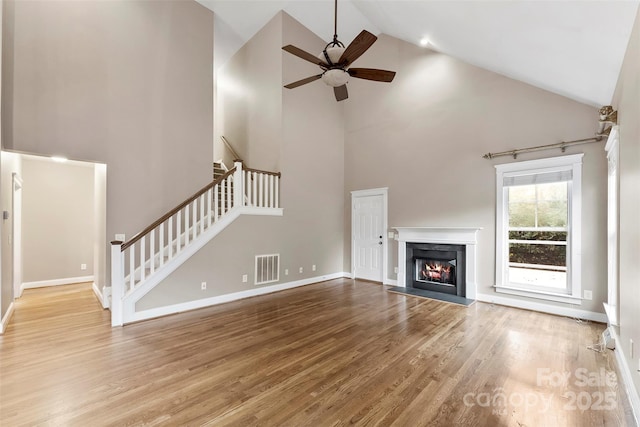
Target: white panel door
<point x="368" y="237"/>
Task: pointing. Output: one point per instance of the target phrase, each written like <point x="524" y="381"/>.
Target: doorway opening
<point x="57" y="222"/>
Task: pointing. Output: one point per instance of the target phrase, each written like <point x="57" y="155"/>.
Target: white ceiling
<point x="573" y="48"/>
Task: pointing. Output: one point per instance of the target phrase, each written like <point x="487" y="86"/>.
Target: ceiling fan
<point x="335" y="59"/>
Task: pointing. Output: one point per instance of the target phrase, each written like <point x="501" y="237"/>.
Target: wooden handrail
<point x="278" y="174"/>
<point x="236" y="157"/>
<point x="175" y="210"/>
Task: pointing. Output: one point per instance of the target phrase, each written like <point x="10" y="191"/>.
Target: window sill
<point x="569" y="299"/>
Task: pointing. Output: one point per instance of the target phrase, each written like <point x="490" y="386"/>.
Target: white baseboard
<point x="543" y="308"/>
<point x="390" y="282"/>
<point x="627" y="378"/>
<point x="206" y="302"/>
<point x="56" y="282"/>
<point x="6" y="318"/>
<point x="102" y="295"/>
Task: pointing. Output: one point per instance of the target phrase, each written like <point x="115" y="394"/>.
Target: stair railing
<point x="262" y="188"/>
<point x="141" y="256"/>
<point x="227" y="144"/>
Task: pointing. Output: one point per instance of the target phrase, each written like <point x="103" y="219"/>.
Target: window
<point x="538" y="228"/>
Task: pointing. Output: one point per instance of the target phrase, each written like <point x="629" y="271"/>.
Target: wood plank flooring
<point x="335" y="353"/>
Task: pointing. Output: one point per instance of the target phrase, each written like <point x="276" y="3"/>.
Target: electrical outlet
<point x="120" y="237"/>
<point x="83" y="266"/>
<point x="301" y="270"/>
<point x="588" y="295"/>
<point x="245" y="278"/>
<point x="313" y="267"/>
<point x="203" y="286"/>
<point x="395" y="270"/>
<point x="286" y="271"/>
<point x="631" y="348"/>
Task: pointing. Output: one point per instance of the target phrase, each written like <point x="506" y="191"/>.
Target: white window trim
<point x="574" y="240"/>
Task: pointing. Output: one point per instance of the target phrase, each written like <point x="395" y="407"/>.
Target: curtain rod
<point x="562" y="145"/>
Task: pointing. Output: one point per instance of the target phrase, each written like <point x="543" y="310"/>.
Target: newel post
<point x="238" y="184"/>
<point x="117" y="283"/>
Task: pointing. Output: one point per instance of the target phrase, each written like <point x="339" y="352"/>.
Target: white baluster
<point x="261" y="190"/>
<point x="161" y="245"/>
<point x="152" y="251"/>
<point x="277" y="189"/>
<point x="194" y="225"/>
<point x="117" y="283"/>
<point x="132" y="266"/>
<point x="143" y="259"/>
<point x="209" y="210"/>
<point x="170" y="237"/>
<point x="179" y="232"/>
<point x="247" y="180"/>
<point x="186" y="225"/>
<point x="271" y="191"/>
<point x="202" y="217"/>
<point x="215" y="202"/>
<point x="229" y="192"/>
<point x="223" y="184"/>
<point x="254" y="183"/>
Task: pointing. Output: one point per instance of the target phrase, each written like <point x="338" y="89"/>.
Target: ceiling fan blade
<point x="304" y="55"/>
<point x="358" y="46"/>
<point x="372" y="74"/>
<point x="341" y="92"/>
<point x="303" y="81"/>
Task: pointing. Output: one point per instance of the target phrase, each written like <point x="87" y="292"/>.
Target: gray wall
<point x="124" y="82"/>
<point x="58" y="230"/>
<point x="627" y="102"/>
<point x="423" y="136"/>
<point x="305" y="139"/>
<point x="249" y="112"/>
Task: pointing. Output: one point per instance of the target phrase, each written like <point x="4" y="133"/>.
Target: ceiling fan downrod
<point x="335" y="43"/>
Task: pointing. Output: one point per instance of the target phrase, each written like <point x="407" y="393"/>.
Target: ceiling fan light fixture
<point x="335" y="77"/>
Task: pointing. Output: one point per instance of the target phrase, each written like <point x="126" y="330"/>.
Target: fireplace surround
<point x="440" y="259"/>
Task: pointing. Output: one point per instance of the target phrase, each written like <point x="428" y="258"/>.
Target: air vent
<point x="267" y="269"/>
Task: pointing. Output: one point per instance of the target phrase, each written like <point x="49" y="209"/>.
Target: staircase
<point x="142" y="262"/>
<point x="219" y="169"/>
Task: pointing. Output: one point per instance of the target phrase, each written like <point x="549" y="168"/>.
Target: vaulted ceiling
<point x="573" y="48"/>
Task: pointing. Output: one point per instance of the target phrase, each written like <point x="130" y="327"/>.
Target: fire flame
<point x="436" y="271"/>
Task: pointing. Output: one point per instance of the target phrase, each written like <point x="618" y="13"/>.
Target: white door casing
<point x="613" y="225"/>
<point x="369" y="234"/>
<point x="17" y="235"/>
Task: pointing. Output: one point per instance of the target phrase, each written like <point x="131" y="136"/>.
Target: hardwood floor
<point x="334" y="353"/>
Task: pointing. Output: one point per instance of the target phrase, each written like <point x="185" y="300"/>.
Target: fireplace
<point x="440" y="259"/>
<point x="436" y="267"/>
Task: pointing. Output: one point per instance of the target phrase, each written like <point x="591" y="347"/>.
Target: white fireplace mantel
<point x="449" y="235"/>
